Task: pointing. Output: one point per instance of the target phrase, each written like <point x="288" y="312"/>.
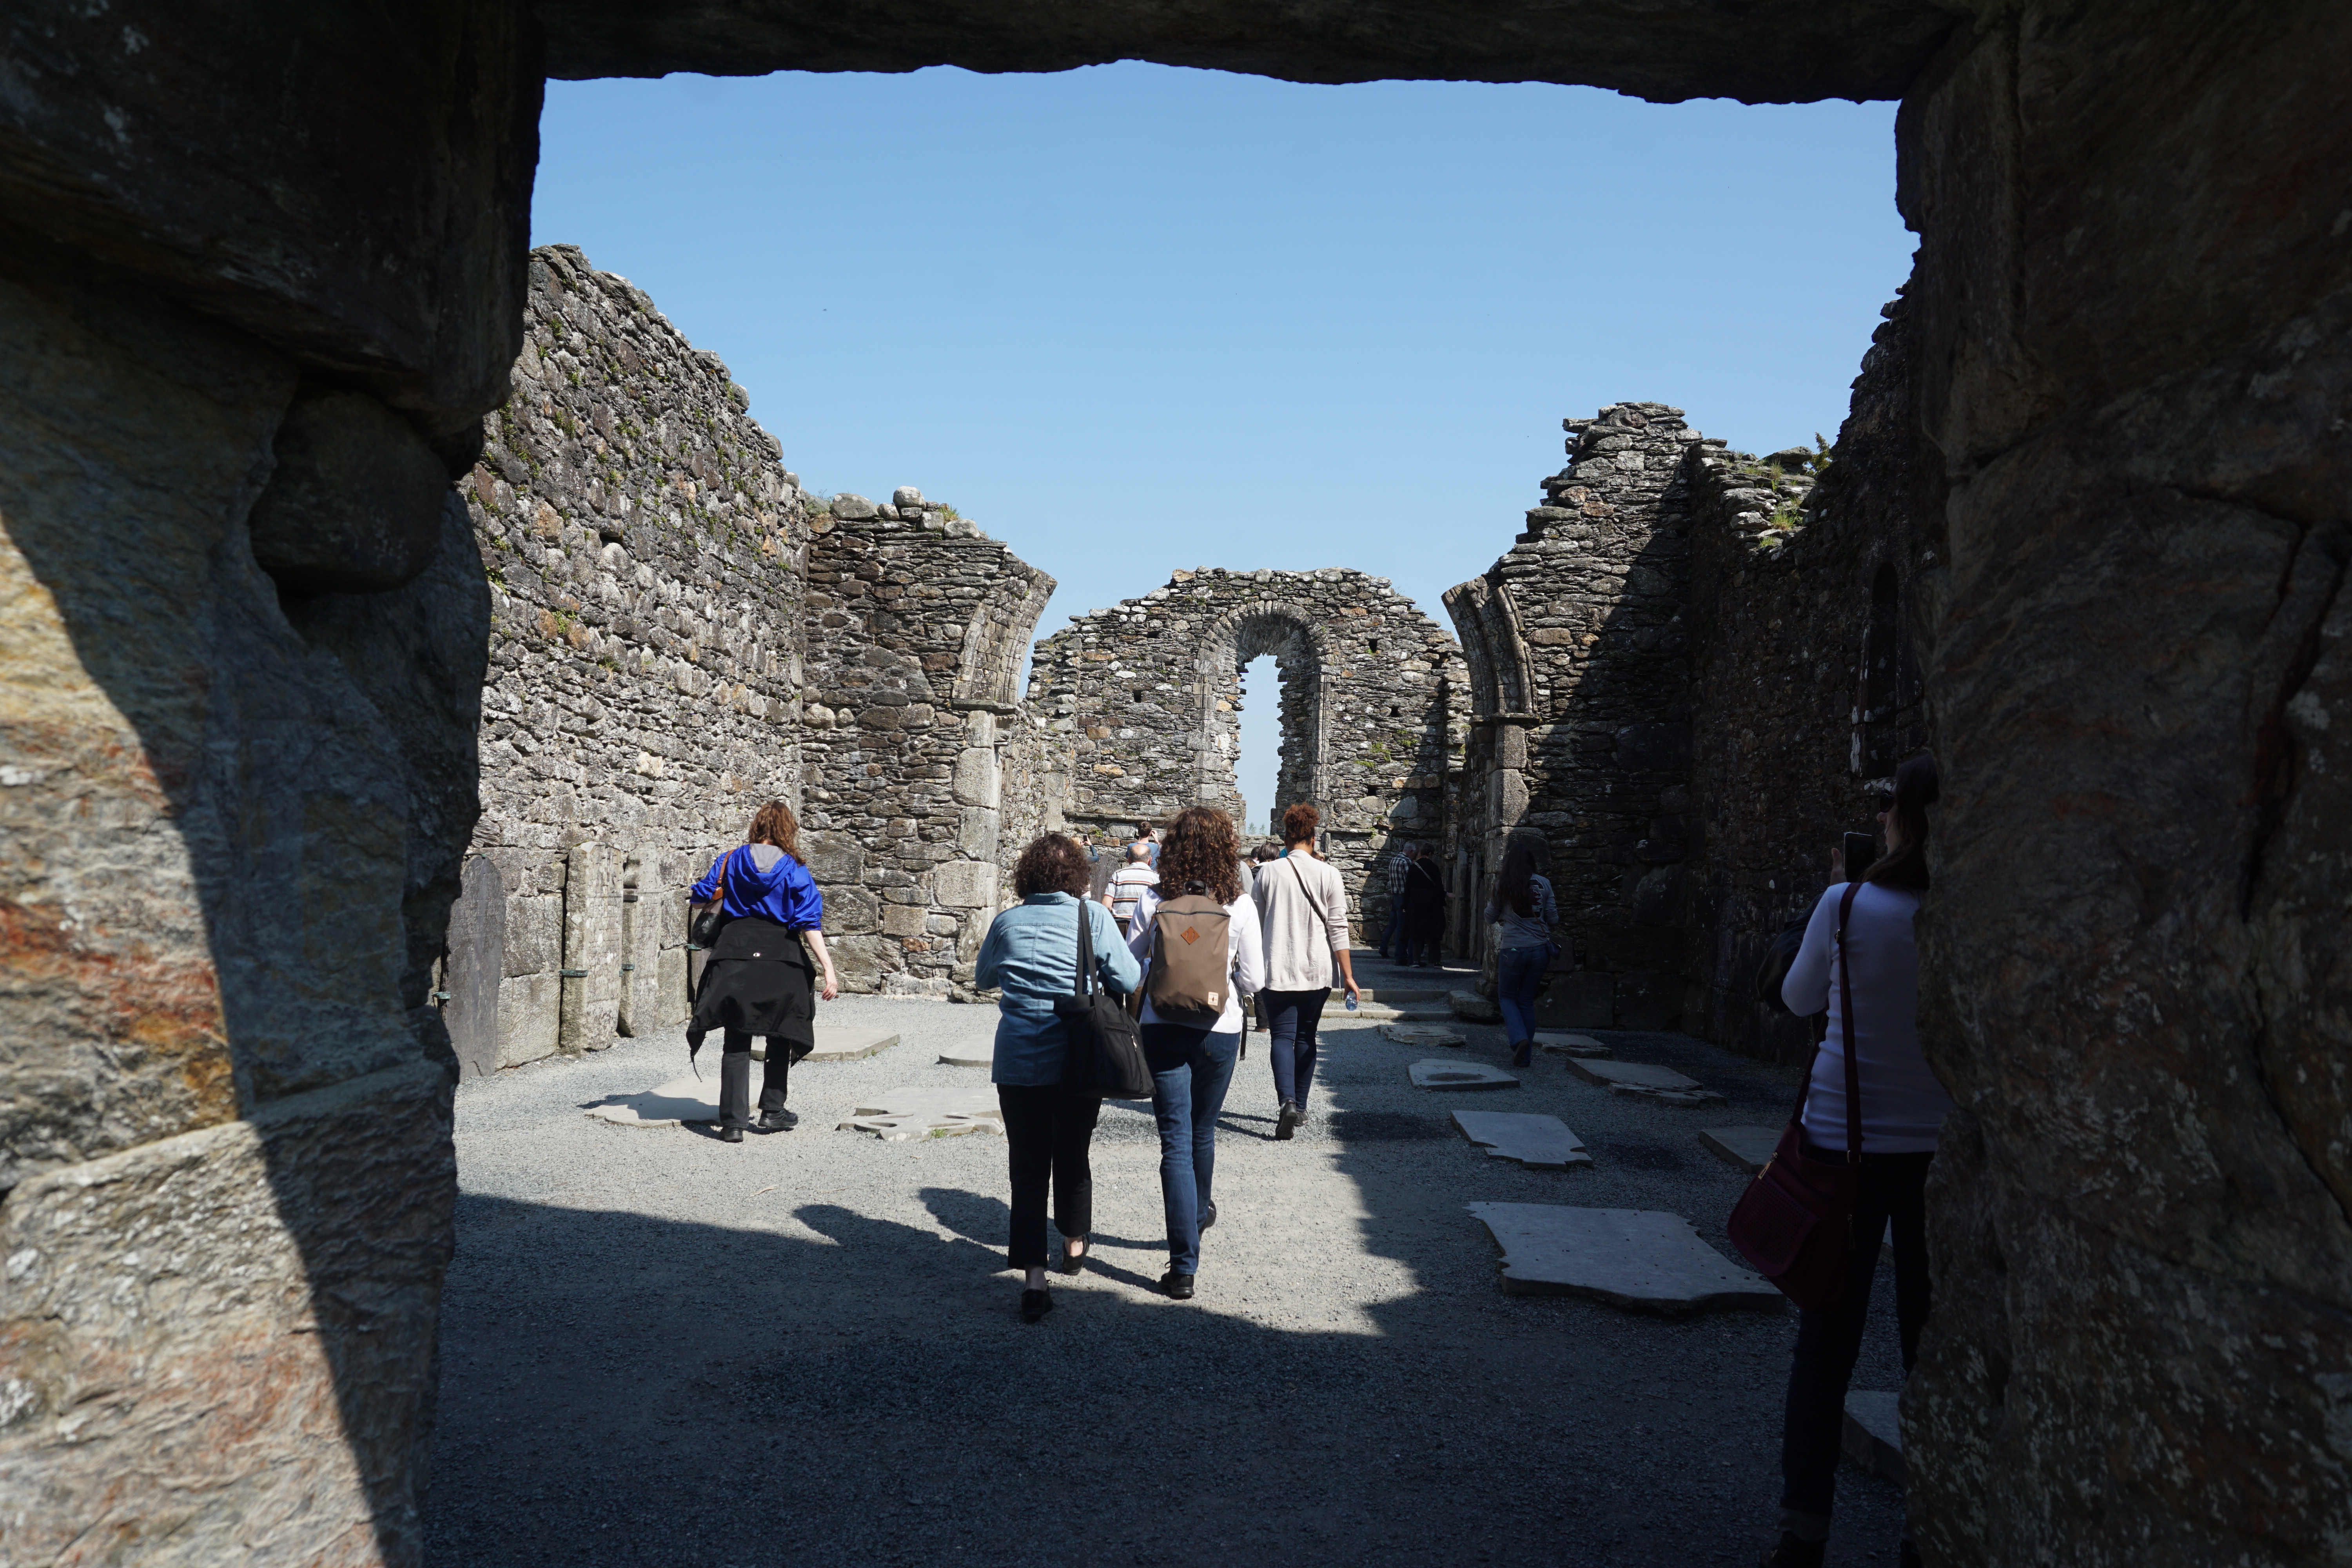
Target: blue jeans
<point x="1190" y="1070"/>
<point x="1519" y="975"/>
<point x="1290" y="1020"/>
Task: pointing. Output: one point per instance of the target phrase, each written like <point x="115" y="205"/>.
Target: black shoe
<point x="1177" y="1286"/>
<point x="1286" y="1121"/>
<point x="1035" y="1304"/>
<point x="1072" y="1265"/>
<point x="775" y="1122"/>
<point x="1208" y="1216"/>
<point x="1791" y="1553"/>
<point x="730" y="1135"/>
<point x="1522" y="1053"/>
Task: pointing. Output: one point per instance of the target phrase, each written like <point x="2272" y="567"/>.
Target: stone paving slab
<point x="1439" y="1073"/>
<point x="1570" y="1044"/>
<point x="979" y="1053"/>
<point x="1540" y="1142"/>
<point x="1424" y="1035"/>
<point x="900" y="1115"/>
<point x="1874" y="1437"/>
<point x="1745" y="1147"/>
<point x="1644" y="1260"/>
<point x="1642" y="1081"/>
<point x="838" y="1043"/>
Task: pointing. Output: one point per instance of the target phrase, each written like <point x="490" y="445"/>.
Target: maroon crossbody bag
<point x="1795" y="1222"/>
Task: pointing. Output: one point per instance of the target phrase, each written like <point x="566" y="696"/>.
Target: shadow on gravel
<point x="622" y="1390"/>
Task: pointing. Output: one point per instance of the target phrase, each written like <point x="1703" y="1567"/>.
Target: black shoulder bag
<point x="1105" y="1051"/>
<point x="712" y="921"/>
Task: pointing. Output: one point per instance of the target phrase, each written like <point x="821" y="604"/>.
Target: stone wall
<point x="1579" y="640"/>
<point x="917" y="626"/>
<point x="1370" y="691"/>
<point x="1806" y="680"/>
<point x="644" y="548"/>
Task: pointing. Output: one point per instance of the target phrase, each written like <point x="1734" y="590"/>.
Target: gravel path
<point x="657" y="1348"/>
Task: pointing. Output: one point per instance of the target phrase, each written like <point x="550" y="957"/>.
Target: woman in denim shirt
<point x="1030" y="952"/>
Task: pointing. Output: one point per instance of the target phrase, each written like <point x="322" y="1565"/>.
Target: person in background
<point x="1522" y="902"/>
<point x="1903" y="1111"/>
<point x="757" y="980"/>
<point x="1191" y="1060"/>
<point x="1400" y="864"/>
<point x="1302" y="908"/>
<point x="1261" y="857"/>
<point x="1031" y="955"/>
<point x="1148" y="838"/>
<point x="1424" y="912"/>
<point x="1126" y="885"/>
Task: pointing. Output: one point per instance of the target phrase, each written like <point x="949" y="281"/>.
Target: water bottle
<point x="1351" y="1001"/>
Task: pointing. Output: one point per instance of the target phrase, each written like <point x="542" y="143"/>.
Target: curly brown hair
<point x="1054" y="863"/>
<point x="1202" y="854"/>
<point x="1299" y="823"/>
<point x="776" y="824"/>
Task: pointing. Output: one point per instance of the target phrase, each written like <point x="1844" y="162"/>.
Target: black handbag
<point x="1104" y="1050"/>
<point x="1779" y="957"/>
<point x="704" y="933"/>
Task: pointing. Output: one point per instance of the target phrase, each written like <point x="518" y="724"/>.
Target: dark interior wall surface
<point x="1806" y="619"/>
<point x="2134" y="300"/>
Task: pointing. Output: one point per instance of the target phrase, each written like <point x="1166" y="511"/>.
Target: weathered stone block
<point x="354" y="503"/>
<point x="531" y="1014"/>
<point x="231" y="1331"/>
<point x="475" y="965"/>
<point x="964" y="884"/>
<point x="591" y="948"/>
<point x="976" y="778"/>
<point x="904" y="920"/>
<point x="976" y="832"/>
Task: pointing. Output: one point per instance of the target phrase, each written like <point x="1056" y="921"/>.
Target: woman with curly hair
<point x="1031" y="955"/>
<point x="1192" y="1054"/>
<point x="758" y="979"/>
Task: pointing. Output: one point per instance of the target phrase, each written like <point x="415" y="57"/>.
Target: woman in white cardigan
<point x="1302" y="908"/>
<point x="1903" y="1111"/>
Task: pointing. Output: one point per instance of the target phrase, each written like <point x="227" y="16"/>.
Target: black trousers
<point x="735" y="1078"/>
<point x="1894" y="1186"/>
<point x="1425" y="932"/>
<point x="1046" y="1132"/>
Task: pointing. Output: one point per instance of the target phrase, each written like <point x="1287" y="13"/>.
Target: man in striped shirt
<point x="1126" y="885"/>
<point x="1400" y="865"/>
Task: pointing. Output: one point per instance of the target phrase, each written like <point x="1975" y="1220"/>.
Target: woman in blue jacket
<point x="758" y="979"/>
<point x="1031" y="954"/>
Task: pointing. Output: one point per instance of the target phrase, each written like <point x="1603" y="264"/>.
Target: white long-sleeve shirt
<point x="1902" y="1106"/>
<point x="1242" y="937"/>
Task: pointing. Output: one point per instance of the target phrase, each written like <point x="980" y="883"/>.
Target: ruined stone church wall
<point x="1150" y="690"/>
<point x="917" y="625"/>
<point x="1585" y="691"/>
<point x="1806" y="676"/>
<point x="645" y="549"/>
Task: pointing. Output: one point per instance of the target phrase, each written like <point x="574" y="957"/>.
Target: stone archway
<point x="1374" y="694"/>
<point x="1286" y="631"/>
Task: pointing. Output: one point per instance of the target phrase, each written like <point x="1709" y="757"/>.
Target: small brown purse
<point x="1795" y="1222"/>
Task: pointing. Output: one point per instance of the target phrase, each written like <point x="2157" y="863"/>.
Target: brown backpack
<point x="1192" y="960"/>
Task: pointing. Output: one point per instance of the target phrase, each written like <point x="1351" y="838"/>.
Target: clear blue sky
<point x="1131" y="318"/>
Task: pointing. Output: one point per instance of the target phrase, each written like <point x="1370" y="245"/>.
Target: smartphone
<point x="1861" y="850"/>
